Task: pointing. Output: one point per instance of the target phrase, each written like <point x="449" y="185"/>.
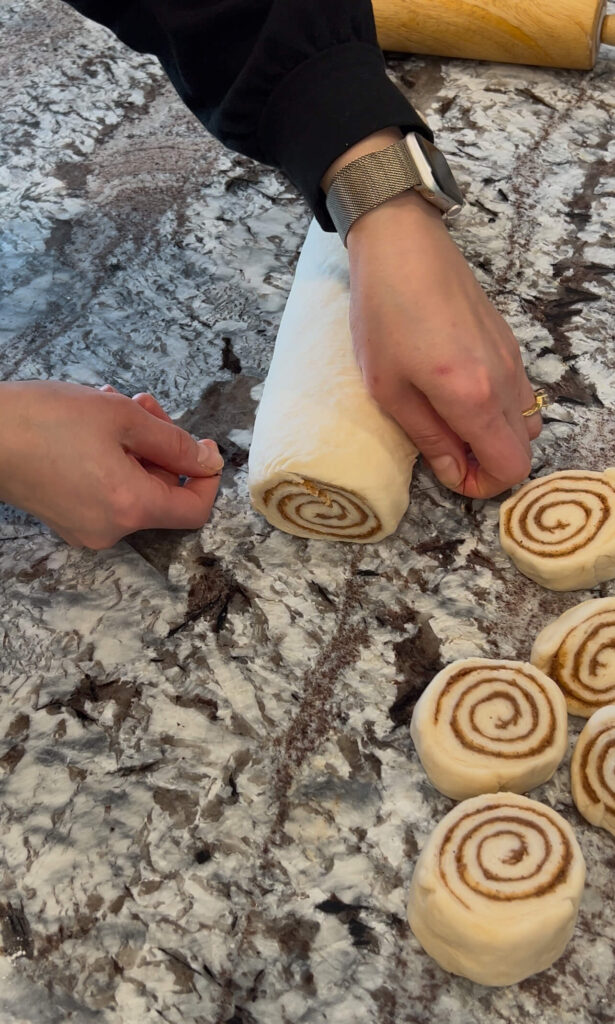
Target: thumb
<point x="167" y="445"/>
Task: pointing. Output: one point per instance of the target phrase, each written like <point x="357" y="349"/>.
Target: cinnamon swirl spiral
<point x="577" y="650"/>
<point x="560" y="529"/>
<point x="496" y="889"/>
<point x="482" y="726"/>
<point x="310" y="508"/>
<point x="592" y="770"/>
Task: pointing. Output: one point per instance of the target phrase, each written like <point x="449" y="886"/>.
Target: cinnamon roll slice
<point x="560" y="529"/>
<point x="592" y="770"/>
<point x="577" y="650"/>
<point x="325" y="461"/>
<point x="483" y="726"/>
<point x="496" y="889"/>
<point x="311" y="508"/>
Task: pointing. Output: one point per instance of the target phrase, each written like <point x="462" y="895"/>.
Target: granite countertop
<point x="209" y="800"/>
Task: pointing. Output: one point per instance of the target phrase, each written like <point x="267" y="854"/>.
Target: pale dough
<point x="483" y="726"/>
<point x="592" y="770"/>
<point x="325" y="461"/>
<point x="496" y="889"/>
<point x="560" y="529"/>
<point x="577" y="650"/>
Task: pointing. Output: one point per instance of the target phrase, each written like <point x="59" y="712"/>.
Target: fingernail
<point x="209" y="457"/>
<point x="447" y="470"/>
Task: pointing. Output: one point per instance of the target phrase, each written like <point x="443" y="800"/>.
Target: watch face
<point x="439" y="184"/>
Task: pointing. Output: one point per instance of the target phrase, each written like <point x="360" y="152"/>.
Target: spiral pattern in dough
<point x="592" y="770"/>
<point x="312" y="508"/>
<point x="556" y="515"/>
<point x="577" y="650"/>
<point x="503" y="852"/>
<point x="496" y="889"/>
<point x="482" y="726"/>
<point x="558" y="528"/>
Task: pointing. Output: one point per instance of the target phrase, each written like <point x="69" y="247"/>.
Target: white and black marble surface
<point x="210" y="805"/>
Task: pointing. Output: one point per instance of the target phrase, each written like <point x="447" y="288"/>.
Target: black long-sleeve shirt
<point x="291" y="83"/>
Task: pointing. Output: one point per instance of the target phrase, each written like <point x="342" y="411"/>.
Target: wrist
<point x="370" y="144"/>
<point x="407" y="213"/>
<point x="386" y="170"/>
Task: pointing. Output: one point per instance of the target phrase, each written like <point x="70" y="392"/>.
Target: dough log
<point x="577" y="650"/>
<point x="560" y="529"/>
<point x="592" y="770"/>
<point x="325" y="461"/>
<point x="482" y="726"/>
<point x="496" y="889"/>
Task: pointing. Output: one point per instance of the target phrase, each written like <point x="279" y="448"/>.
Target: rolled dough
<point x="483" y="726"/>
<point x="325" y="462"/>
<point x="560" y="529"/>
<point x="496" y="889"/>
<point x="592" y="770"/>
<point x="577" y="650"/>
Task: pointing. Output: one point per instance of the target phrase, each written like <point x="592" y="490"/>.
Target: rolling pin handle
<point x="608" y="30"/>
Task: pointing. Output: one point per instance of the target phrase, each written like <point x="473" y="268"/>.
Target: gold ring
<point x="541" y="399"/>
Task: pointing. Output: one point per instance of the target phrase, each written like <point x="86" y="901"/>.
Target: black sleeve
<point x="291" y="83"/>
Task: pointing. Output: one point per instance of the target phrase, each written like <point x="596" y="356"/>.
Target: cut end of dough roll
<point x="577" y="650"/>
<point x="312" y="508"/>
<point x="483" y="725"/>
<point x="496" y="889"/>
<point x="559" y="530"/>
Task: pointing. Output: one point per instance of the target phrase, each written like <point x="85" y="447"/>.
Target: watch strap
<point x="368" y="182"/>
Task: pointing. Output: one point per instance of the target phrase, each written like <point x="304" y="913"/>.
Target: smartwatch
<point x="412" y="162"/>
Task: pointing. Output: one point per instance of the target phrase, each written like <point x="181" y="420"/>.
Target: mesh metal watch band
<point x="369" y="181"/>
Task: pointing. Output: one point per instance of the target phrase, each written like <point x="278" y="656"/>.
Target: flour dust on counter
<point x="210" y="802"/>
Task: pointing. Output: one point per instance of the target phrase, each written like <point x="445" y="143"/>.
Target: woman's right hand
<point x="96" y="465"/>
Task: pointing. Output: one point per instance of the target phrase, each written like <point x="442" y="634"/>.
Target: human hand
<point x="96" y="466"/>
<point x="435" y="353"/>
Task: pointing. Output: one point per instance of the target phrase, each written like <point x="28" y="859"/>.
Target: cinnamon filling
<point x="323" y="510"/>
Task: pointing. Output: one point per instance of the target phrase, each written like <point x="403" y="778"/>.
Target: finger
<point x="533" y="425"/>
<point x="180" y="508"/>
<point x="144" y="399"/>
<point x="505" y="402"/>
<point x="503" y="459"/>
<point x="170" y="479"/>
<point x="527" y="399"/>
<point x="526" y="395"/>
<point x="167" y="445"/>
<point x="517" y="424"/>
<point x="149" y="403"/>
<point x="441" y="447"/>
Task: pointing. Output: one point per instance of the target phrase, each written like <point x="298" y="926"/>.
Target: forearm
<point x="291" y="83"/>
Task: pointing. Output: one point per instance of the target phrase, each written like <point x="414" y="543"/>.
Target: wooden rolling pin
<point x="553" y="33"/>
